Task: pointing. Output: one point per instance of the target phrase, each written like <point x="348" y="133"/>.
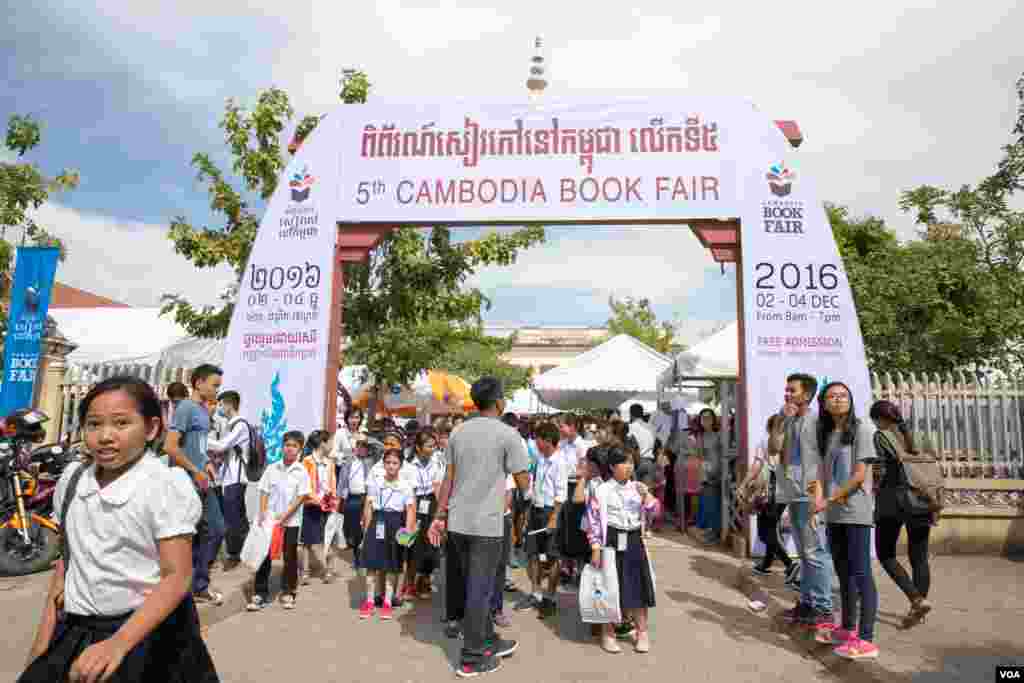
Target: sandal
<point x="919" y="609"/>
<point x="643" y="642"/>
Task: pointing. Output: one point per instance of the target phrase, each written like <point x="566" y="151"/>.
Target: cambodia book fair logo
<point x="780" y="179"/>
<point x="300" y="184"/>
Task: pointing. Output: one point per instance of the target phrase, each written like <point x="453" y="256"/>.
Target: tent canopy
<point x="717" y="357"/>
<point x="117" y="334"/>
<point x="604" y="377"/>
<point x="526" y="402"/>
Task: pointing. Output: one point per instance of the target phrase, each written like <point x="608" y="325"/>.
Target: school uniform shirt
<point x="236" y="436"/>
<point x="377" y="473"/>
<point x="550" y="482"/>
<point x="615" y="505"/>
<point x="570" y="453"/>
<point x="319" y="469"/>
<point x="344" y="443"/>
<point x="639" y="430"/>
<point x="352" y="478"/>
<point x="422" y="476"/>
<point x="283" y="484"/>
<point x="114" y="532"/>
<point x="840" y="461"/>
<point x="391" y="496"/>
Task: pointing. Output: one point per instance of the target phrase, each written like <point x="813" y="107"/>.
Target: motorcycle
<point x="29" y="536"/>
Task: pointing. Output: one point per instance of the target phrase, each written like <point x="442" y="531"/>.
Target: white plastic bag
<point x="333" y="530"/>
<point x="599" y="591"/>
<point x="257" y="545"/>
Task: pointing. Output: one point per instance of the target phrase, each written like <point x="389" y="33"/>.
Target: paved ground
<point x="701" y="630"/>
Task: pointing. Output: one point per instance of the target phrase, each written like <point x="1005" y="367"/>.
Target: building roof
<point x="64" y="296"/>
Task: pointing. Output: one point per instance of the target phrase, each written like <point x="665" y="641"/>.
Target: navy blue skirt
<point x="424" y="556"/>
<point x="174" y="652"/>
<point x="572" y="541"/>
<point x="636" y="585"/>
<point x="352" y="523"/>
<point x="383" y="554"/>
<point x="313" y="520"/>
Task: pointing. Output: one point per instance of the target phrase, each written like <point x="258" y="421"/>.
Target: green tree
<point x="992" y="228"/>
<point x="24" y="188"/>
<point x="472" y="360"/>
<point x="404" y="309"/>
<point x="636" y="318"/>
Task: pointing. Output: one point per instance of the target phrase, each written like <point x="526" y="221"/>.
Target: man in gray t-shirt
<point x="480" y="454"/>
<point x="484" y="452"/>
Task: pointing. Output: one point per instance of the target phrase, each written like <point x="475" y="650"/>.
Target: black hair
<point x="616" y="456"/>
<point x="353" y="411"/>
<point x="423" y="436"/>
<point x="890" y="411"/>
<point x="176" y="391"/>
<point x="316" y="439"/>
<point x="232" y="398"/>
<point x="511" y="419"/>
<point x="548" y="432"/>
<point x="826" y="423"/>
<point x="145" y="397"/>
<point x="716" y="423"/>
<point x="598" y="455"/>
<point x="202" y="372"/>
<point x="294" y="435"/>
<point x="412" y="427"/>
<point x="486" y="392"/>
<point x="636" y="411"/>
<point x="573" y="420"/>
<point x="808" y="382"/>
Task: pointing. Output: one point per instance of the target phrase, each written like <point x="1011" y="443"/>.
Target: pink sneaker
<point x="366" y="611"/>
<point x="830" y="634"/>
<point x="855" y="648"/>
<point x="386" y="613"/>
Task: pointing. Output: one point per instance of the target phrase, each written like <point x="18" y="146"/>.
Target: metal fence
<point x="974" y="426"/>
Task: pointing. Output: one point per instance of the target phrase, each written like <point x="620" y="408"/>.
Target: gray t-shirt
<point x="840" y="461"/>
<point x="801" y="461"/>
<point x="192" y="421"/>
<point x="484" y="451"/>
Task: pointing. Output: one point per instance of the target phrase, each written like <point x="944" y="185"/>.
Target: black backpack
<point x="257" y="453"/>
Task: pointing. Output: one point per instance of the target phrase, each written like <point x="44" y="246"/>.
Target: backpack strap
<point x="69" y="495"/>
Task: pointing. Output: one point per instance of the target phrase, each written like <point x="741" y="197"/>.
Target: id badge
<point x="425" y="507"/>
<point x="380" y="531"/>
<point x="622" y="539"/>
<point x="542" y="558"/>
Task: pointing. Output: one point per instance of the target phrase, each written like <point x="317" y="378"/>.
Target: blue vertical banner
<point x="34" y="272"/>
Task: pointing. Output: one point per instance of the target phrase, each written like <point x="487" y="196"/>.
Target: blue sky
<point x="905" y="93"/>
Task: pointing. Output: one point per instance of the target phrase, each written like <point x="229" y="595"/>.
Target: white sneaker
<point x="256" y="604"/>
<point x="288" y="602"/>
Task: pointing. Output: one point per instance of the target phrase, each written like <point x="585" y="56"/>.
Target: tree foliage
<point x="474" y="359"/>
<point x="636" y="318"/>
<point x="405" y="308"/>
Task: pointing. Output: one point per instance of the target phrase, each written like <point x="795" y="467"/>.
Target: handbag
<point x="599" y="591"/>
<point x="277" y="542"/>
<point x="924" y="485"/>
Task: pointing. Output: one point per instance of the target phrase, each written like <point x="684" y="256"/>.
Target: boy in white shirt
<point x="284" y="488"/>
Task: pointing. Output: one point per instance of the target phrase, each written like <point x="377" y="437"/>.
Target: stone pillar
<point x="53" y="353"/>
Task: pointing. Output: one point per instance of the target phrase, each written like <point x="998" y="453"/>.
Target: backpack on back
<point x="925" y="483"/>
<point x="257" y="453"/>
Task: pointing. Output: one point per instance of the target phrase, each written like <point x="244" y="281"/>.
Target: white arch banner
<point x="647" y="159"/>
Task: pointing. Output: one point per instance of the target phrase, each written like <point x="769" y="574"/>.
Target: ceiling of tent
<point x="604" y="377"/>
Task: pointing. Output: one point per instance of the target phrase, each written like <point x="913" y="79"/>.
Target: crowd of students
<point x="562" y="491"/>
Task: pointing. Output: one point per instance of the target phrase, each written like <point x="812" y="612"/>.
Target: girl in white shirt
<point x="124" y="580"/>
<point x="390" y="504"/>
<point x="424" y="474"/>
<point x="616" y="516"/>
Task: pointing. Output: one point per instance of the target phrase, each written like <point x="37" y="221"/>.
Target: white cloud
<point x="127" y="261"/>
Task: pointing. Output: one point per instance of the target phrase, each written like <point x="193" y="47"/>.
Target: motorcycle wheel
<point x="17" y="559"/>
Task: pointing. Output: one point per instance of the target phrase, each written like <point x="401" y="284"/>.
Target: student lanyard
<point x="542" y="477"/>
<point x="380" y="497"/>
<point x="425" y="487"/>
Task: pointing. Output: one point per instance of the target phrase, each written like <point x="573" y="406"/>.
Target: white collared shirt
<point x="639" y="430"/>
<point x="377" y="473"/>
<point x="624" y="505"/>
<point x="422" y="476"/>
<point x="570" y="453"/>
<point x="550" y="482"/>
<point x="283" y="484"/>
<point x="113" y="533"/>
<point x="392" y="496"/>
<point x="233" y="470"/>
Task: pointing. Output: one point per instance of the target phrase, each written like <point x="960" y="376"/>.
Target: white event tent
<point x="123" y="335"/>
<point x="715" y="358"/>
<point x="604" y="377"/>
